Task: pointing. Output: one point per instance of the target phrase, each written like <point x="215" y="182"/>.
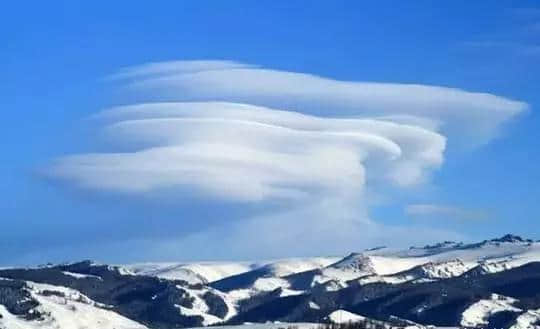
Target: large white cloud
<point x="321" y="137"/>
<point x="229" y="131"/>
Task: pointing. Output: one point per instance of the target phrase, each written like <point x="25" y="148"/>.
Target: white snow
<point x="334" y="285"/>
<point x="193" y="273"/>
<point x="81" y="276"/>
<point x="528" y="320"/>
<point x="269" y="284"/>
<point x="341" y="316"/>
<point x="379" y="265"/>
<point x="284" y="267"/>
<point x="390" y="265"/>
<point x="213" y="271"/>
<point x="450" y="260"/>
<point x="205" y="272"/>
<point x="69" y="294"/>
<point x="363" y="267"/>
<point x="289" y="292"/>
<point x="512" y="253"/>
<point x="201" y="308"/>
<point x="478" y="313"/>
<point x="269" y="325"/>
<point x="208" y="319"/>
<point x="423" y="273"/>
<point x="273" y="274"/>
<point x="74" y="311"/>
<point x="398" y="266"/>
<point x="516" y="252"/>
<point x="239" y="294"/>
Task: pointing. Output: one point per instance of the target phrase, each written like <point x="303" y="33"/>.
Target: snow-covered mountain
<point x="203" y="272"/>
<point x="60" y="307"/>
<point x="429" y="263"/>
<point x="478" y="314"/>
<point x="475" y="285"/>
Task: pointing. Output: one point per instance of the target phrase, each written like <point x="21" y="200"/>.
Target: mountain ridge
<point x="448" y="283"/>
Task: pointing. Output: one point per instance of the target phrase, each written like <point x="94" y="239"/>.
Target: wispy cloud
<point x="520" y="38"/>
<point x="156" y="69"/>
<point x="439" y="211"/>
<point x="526" y="13"/>
<point x="330" y="227"/>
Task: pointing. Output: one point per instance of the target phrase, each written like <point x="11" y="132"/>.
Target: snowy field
<point x="284" y="325"/>
<point x="299" y="325"/>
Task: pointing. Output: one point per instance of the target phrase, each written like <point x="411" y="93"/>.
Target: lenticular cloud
<point x="249" y="153"/>
<point x="240" y="133"/>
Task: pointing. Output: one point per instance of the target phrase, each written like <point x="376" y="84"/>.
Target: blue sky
<point x="56" y="59"/>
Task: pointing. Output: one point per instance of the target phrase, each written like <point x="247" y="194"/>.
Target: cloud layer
<point x="221" y="130"/>
<point x="474" y="115"/>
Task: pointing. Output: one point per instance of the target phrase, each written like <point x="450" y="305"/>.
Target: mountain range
<point x="490" y="284"/>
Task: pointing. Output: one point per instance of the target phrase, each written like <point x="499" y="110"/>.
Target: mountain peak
<point x="440" y="245"/>
<point x="510" y="238"/>
<point x="356" y="261"/>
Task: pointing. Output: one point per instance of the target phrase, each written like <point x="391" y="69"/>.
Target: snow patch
<point x="478" y="313"/>
<point x="81" y="276"/>
<point x="342" y="316"/>
<point x="528" y="320"/>
<point x="66" y="309"/>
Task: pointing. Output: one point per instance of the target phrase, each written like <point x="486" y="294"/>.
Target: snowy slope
<point x="193" y="273"/>
<point x="284" y="267"/>
<point x="201" y="308"/>
<point x="344" y="317"/>
<point x="423" y="273"/>
<point x="478" y="313"/>
<point x="441" y="261"/>
<point x="430" y="263"/>
<point x="269" y="277"/>
<point x="269" y="325"/>
<point x="360" y="265"/>
<point x="203" y="273"/>
<point x="341" y="316"/>
<point x="217" y="292"/>
<point x="528" y="320"/>
<point x="206" y="272"/>
<point x="511" y="250"/>
<point x="63" y="308"/>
